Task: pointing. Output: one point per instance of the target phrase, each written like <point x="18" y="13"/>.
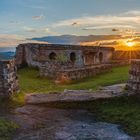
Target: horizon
<point x="22" y="20"/>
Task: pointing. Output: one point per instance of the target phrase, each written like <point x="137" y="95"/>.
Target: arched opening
<point x="52" y="56"/>
<point x="101" y="57"/>
<point x="73" y="57"/>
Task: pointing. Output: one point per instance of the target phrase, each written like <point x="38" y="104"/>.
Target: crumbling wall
<point x="53" y="58"/>
<point x="80" y="73"/>
<point x="134" y="77"/>
<point x="8" y="78"/>
<point x="37" y="54"/>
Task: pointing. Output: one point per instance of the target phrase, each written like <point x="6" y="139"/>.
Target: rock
<point x="64" y="136"/>
<point x="115" y="89"/>
<point x="75" y="95"/>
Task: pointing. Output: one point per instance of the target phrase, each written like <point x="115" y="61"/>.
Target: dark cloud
<point x="110" y="43"/>
<point x="74" y="23"/>
<point x="115" y="30"/>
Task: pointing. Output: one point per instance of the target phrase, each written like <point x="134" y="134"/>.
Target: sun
<point x="130" y="43"/>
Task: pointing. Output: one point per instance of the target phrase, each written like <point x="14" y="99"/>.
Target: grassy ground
<point x="30" y="82"/>
<point x="7" y="129"/>
<point x="124" y="110"/>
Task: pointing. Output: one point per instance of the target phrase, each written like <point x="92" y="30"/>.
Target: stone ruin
<point x="65" y="62"/>
<point x="134" y="78"/>
<point x="8" y="78"/>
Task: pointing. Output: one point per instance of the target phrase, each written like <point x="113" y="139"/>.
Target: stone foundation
<point x="8" y="78"/>
<point x="134" y="78"/>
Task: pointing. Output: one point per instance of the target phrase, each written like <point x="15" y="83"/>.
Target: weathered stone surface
<point x="75" y="95"/>
<point x="41" y="123"/>
<point x="134" y="78"/>
<point x="64" y="76"/>
<point x="35" y="54"/>
<point x="8" y="78"/>
<point x="64" y="62"/>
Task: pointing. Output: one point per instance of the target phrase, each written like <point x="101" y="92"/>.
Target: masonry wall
<point x="80" y="73"/>
<point x="53" y="60"/>
<point x="8" y="78"/>
<point x="134" y="77"/>
<point x="37" y="54"/>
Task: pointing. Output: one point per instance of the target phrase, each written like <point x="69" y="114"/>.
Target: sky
<point x="23" y="19"/>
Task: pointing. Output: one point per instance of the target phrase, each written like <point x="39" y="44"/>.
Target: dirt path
<point x="41" y="123"/>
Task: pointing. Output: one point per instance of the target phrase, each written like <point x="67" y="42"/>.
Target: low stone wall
<point x="80" y="73"/>
<point x="51" y="69"/>
<point x="8" y="78"/>
<point x="134" y="78"/>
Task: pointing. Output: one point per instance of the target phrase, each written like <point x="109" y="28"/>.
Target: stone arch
<point x="101" y="57"/>
<point x="73" y="57"/>
<point x="52" y="56"/>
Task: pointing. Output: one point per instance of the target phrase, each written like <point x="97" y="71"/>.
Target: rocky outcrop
<point x="8" y="78"/>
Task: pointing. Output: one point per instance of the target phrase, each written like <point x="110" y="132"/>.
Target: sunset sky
<point x="21" y="19"/>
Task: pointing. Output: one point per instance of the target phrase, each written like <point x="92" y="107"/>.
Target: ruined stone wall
<point x="37" y="54"/>
<point x="80" y="73"/>
<point x="134" y="76"/>
<point x="8" y="78"/>
<point x="53" y="58"/>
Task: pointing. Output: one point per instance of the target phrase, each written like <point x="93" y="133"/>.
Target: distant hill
<point x="7" y="55"/>
<point x="72" y="39"/>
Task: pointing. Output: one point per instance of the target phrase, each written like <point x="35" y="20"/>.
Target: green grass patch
<point x="7" y="129"/>
<point x="30" y="82"/>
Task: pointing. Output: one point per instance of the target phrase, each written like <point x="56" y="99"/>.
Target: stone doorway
<point x="73" y="57"/>
<point x="90" y="58"/>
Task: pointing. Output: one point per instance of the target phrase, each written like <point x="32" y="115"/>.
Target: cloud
<point x="132" y="12"/>
<point x="137" y="39"/>
<point x="40" y="17"/>
<point x="13" y="40"/>
<point x="109" y="27"/>
<point x="75" y="23"/>
<point x="46" y="29"/>
<point x="129" y="19"/>
<point x="10" y="40"/>
<point x="42" y="30"/>
<point x="115" y="30"/>
<point x="15" y="22"/>
<point x="29" y="29"/>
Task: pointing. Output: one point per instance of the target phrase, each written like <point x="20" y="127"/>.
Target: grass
<point x="124" y="110"/>
<point x="7" y="129"/>
<point x="30" y="82"/>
